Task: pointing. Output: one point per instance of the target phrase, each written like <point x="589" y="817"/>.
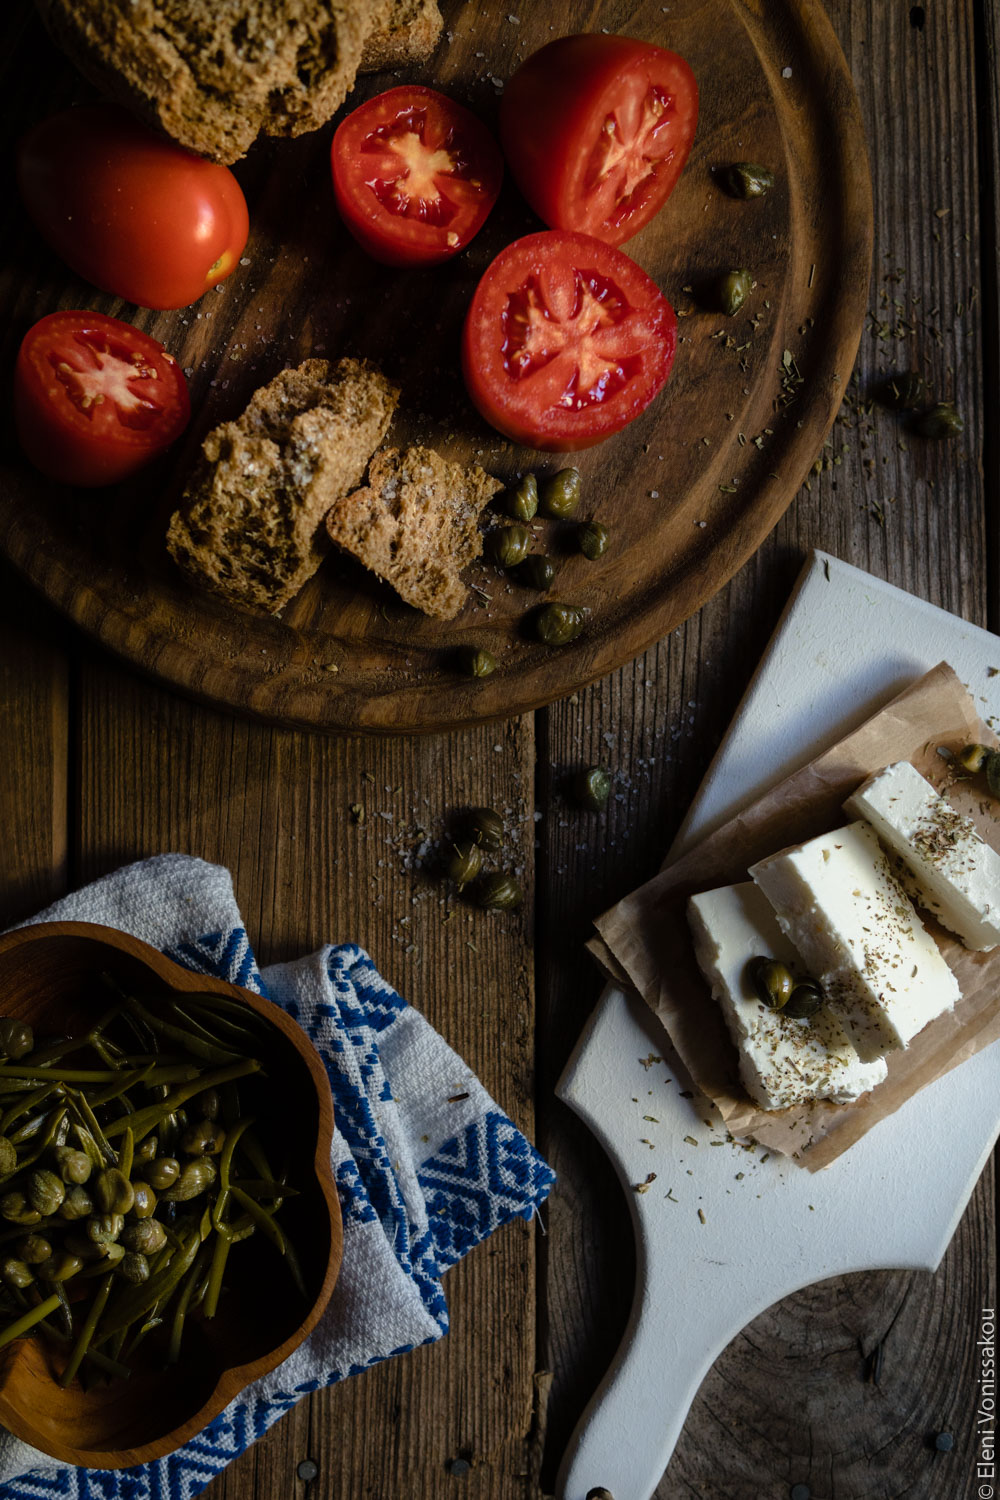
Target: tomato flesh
<point x="128" y="211"/>
<point x="566" y="341"/>
<point x="414" y="176"/>
<point x="597" y="129"/>
<point x="94" y="399"/>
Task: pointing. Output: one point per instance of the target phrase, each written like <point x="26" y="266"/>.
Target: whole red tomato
<point x="596" y="130"/>
<point x="129" y="211"/>
<point x="566" y="340"/>
<point x="414" y="176"/>
<point x="95" y="399"/>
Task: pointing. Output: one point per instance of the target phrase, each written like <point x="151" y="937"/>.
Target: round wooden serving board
<point x="688" y="491"/>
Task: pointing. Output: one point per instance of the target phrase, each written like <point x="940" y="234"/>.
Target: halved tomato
<point x="566" y="340"/>
<point x="129" y="211"/>
<point x="95" y="399"/>
<point x="596" y="130"/>
<point x="414" y="176"/>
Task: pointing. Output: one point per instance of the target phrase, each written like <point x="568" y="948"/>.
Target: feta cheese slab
<point x="783" y="1061"/>
<point x="858" y="933"/>
<point x="947" y="868"/>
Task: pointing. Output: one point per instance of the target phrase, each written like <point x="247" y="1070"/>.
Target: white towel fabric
<point x="422" y="1175"/>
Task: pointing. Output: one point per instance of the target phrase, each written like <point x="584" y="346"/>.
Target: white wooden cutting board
<point x="714" y="1248"/>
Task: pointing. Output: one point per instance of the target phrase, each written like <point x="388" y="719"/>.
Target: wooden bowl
<point x="47" y="977"/>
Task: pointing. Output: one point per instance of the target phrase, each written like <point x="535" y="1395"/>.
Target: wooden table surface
<point x="99" y="767"/>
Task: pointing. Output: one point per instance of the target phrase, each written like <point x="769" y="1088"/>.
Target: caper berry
<point x="993" y="773"/>
<point x="134" y="1267"/>
<point x="592" y="539"/>
<point x="499" y="893"/>
<point x="973" y="757"/>
<point x="209" y="1104"/>
<point x="77" y="1204"/>
<point x="902" y="392"/>
<point x="8" y="1156"/>
<point x="59" y="1267"/>
<point x="939" y="421"/>
<point x="147" y="1149"/>
<point x="146" y="1237"/>
<point x="772" y="982"/>
<point x="198" y="1175"/>
<point x="522" y="501"/>
<point x="16" y="1037"/>
<point x="162" y="1173"/>
<point x="35" y="1248"/>
<point x="731" y="291"/>
<point x="112" y="1192"/>
<point x="559" y="495"/>
<point x="465" y="863"/>
<point x="805" y="1000"/>
<point x="45" y="1191"/>
<point x="476" y="661"/>
<point x="558" y="624"/>
<point x="16" y="1273"/>
<point x="745" y="179"/>
<point x="536" y="572"/>
<point x="593" y="788"/>
<point x="15" y="1207"/>
<point x="203" y="1138"/>
<point x="145" y="1201"/>
<point x="72" y="1166"/>
<point x="486" y="828"/>
<point x="102" y="1229"/>
<point x="509" y="545"/>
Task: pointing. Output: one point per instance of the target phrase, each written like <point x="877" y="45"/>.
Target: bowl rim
<point x="234" y="1378"/>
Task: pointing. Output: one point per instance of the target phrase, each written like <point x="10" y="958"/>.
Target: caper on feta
<point x="772" y="983"/>
<point x="804" y="1001"/>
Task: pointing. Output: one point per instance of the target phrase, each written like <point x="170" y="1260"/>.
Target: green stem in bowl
<point x="28" y="1320"/>
<point x="87" y="1331"/>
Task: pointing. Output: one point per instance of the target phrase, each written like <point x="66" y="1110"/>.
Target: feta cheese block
<point x="860" y="937"/>
<point x="783" y="1061"/>
<point x="947" y="867"/>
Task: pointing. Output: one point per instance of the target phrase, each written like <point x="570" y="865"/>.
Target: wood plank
<point x="34" y="731"/>
<point x="788" y="1402"/>
<point x="275" y="806"/>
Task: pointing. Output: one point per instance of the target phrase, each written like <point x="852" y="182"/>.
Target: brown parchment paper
<point x="646" y="936"/>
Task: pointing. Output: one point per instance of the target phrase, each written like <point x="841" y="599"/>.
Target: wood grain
<point x="688" y="490"/>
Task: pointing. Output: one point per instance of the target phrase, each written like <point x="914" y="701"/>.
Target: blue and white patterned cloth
<point x="423" y="1176"/>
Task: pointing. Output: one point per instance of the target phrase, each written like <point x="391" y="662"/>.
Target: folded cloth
<point x="426" y="1164"/>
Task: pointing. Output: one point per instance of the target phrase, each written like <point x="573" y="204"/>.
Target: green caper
<point x="592" y="539"/>
<point x="486" y="828"/>
<point x="993" y="773"/>
<point x="77" y="1204"/>
<point x="59" y="1267"/>
<point x="592" y="788"/>
<point x="15" y="1207"/>
<point x="464" y="863"/>
<point x="509" y="545"/>
<point x="973" y="757"/>
<point x="34" y="1248"/>
<point x="476" y="661"/>
<point x="15" y="1272"/>
<point x="522" y="500"/>
<point x="8" y="1156"/>
<point x="72" y="1166"/>
<point x="112" y="1192"/>
<point x="45" y="1191"/>
<point x="558" y="624"/>
<point x="902" y="392"/>
<point x="536" y="572"/>
<point x="203" y="1138"/>
<point x="134" y="1267"/>
<point x="559" y="495"/>
<point x="208" y="1104"/>
<point x="102" y="1229"/>
<point x="16" y="1037"/>
<point x="804" y="1001"/>
<point x="145" y="1201"/>
<point x="146" y="1237"/>
<point x="772" y="982"/>
<point x="745" y="179"/>
<point x="731" y="291"/>
<point x="195" y="1177"/>
<point x="84" y="1247"/>
<point x="147" y="1149"/>
<point x="939" y="421"/>
<point x="499" y="893"/>
<point x="162" y="1173"/>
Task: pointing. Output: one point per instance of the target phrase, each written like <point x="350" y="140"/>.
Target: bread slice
<point x="249" y="524"/>
<point x="408" y="35"/>
<point x="415" y="524"/>
<point x="212" y="74"/>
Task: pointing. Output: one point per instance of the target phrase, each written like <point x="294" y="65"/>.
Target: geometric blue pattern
<point x="481" y="1178"/>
